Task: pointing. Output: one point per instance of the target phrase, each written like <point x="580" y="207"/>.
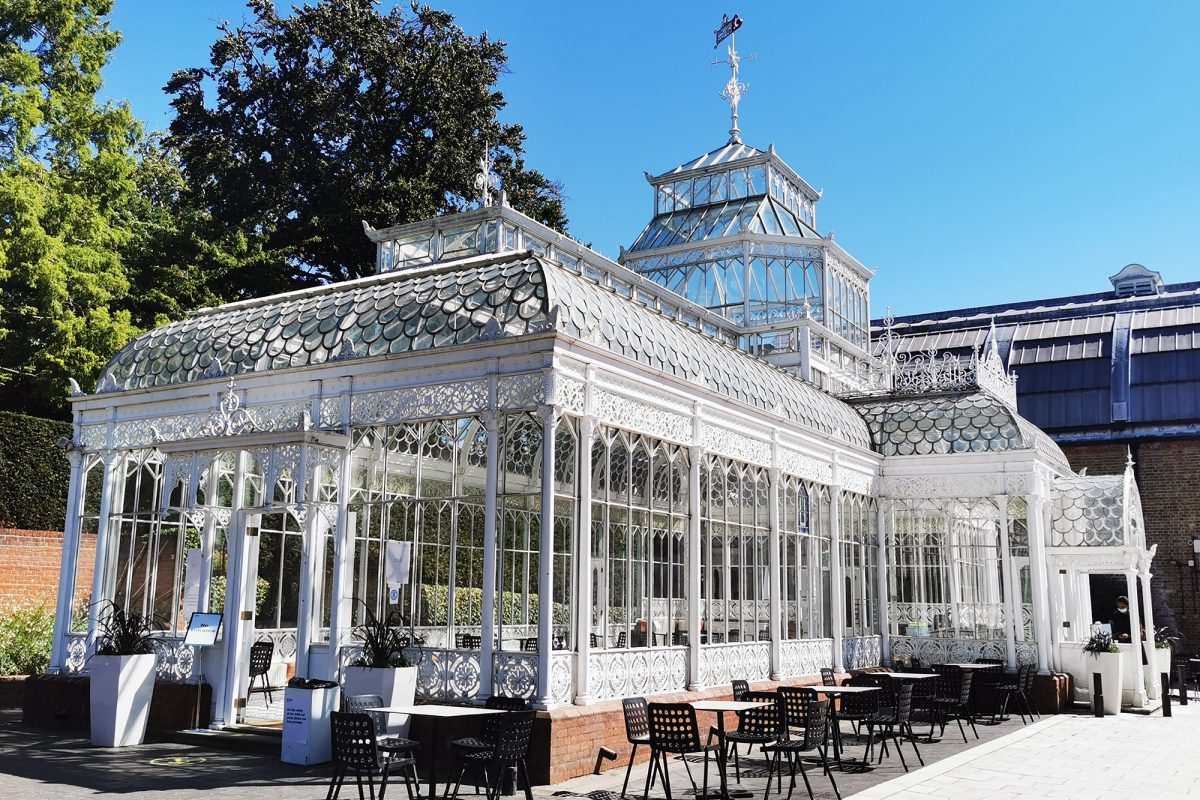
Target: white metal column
<point x="1011" y="607"/>
<point x="1037" y="579"/>
<point x="491" y="422"/>
<point x="583" y="561"/>
<point x="837" y="608"/>
<point x="776" y="590"/>
<point x="226" y="685"/>
<point x="113" y="462"/>
<point x="1153" y="686"/>
<point x="1135" y="639"/>
<point x="694" y="598"/>
<point x="881" y="580"/>
<point x="341" y="612"/>
<point x="545" y="587"/>
<point x="68" y="565"/>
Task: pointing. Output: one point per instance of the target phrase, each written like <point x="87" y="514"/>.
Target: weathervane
<point x="486" y="181"/>
<point x="734" y="89"/>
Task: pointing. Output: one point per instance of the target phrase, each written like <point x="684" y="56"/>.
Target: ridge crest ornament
<point x="734" y="88"/>
<point x="230" y="418"/>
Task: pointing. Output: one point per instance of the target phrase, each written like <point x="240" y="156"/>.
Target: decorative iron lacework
<point x="515" y="674"/>
<point x="860" y="652"/>
<point x="1088" y="511"/>
<point x="641" y="671"/>
<point x="448" y="675"/>
<point x="805" y="656"/>
<point x="721" y="663"/>
<point x="971" y="422"/>
<point x="929" y="650"/>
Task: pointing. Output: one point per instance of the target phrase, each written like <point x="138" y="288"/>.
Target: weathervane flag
<point x="728" y="26"/>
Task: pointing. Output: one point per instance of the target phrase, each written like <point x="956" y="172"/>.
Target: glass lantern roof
<point x="750" y="215"/>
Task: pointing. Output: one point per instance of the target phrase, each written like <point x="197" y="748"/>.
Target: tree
<point x="66" y="174"/>
<point x="336" y="114"/>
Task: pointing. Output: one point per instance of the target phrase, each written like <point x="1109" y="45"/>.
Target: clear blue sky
<point x="970" y="152"/>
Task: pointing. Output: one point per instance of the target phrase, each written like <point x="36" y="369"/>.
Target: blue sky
<point x="971" y="152"/>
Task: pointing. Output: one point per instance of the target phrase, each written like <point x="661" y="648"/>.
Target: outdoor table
<point x="973" y="665"/>
<point x="837" y="727"/>
<point x="719" y="707"/>
<point x="909" y="676"/>
<point x="437" y="714"/>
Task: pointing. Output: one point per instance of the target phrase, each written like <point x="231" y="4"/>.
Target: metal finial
<point x="486" y="181"/>
<point x="734" y="88"/>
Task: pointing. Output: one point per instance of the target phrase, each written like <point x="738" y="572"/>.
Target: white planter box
<point x="121" y="689"/>
<point x="397" y="687"/>
<point x="1111" y="669"/>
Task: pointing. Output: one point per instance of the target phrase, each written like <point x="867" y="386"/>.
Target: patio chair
<point x="356" y="749"/>
<point x="490" y="726"/>
<point x="740" y="687"/>
<point x="893" y="723"/>
<point x="390" y="746"/>
<point x="622" y="640"/>
<point x="803" y="728"/>
<point x="1013" y="686"/>
<point x="857" y="707"/>
<point x="755" y="726"/>
<point x="508" y="752"/>
<point x="675" y="731"/>
<point x="472" y="641"/>
<point x="827" y="678"/>
<point x="637" y="731"/>
<point x="260" y="665"/>
<point x="530" y="644"/>
<point x="953" y="701"/>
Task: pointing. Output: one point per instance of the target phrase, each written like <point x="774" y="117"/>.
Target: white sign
<point x="397" y="568"/>
<point x="202" y="630"/>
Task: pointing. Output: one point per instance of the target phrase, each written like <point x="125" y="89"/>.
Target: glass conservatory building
<point x="573" y="479"/>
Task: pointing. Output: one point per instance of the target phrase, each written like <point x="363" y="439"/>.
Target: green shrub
<point x="25" y="638"/>
<point x="468" y="607"/>
<point x="33" y="472"/>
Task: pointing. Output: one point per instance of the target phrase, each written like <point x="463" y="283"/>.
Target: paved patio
<point x="1066" y="756"/>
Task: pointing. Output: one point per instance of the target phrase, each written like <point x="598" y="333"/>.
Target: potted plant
<point x="1108" y="661"/>
<point x="384" y="668"/>
<point x="122" y="677"/>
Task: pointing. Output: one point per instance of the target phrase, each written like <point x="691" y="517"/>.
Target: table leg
<point x="433" y="757"/>
<point x="723" y="767"/>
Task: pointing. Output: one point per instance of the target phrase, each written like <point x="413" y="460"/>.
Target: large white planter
<point x="1111" y="669"/>
<point x="397" y="687"/>
<point x="121" y="690"/>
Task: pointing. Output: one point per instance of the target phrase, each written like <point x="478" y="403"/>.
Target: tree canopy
<point x="66" y="175"/>
<point x="307" y="124"/>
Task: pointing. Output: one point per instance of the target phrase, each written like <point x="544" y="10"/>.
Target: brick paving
<point x="1065" y="756"/>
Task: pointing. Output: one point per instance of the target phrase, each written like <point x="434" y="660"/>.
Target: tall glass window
<point x="735" y="526"/>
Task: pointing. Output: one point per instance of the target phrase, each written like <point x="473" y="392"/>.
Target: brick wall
<point x="29" y="563"/>
<point x="1168" y="475"/>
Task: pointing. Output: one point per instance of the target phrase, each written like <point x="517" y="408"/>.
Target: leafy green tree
<point x="307" y="124"/>
<point x="66" y="174"/>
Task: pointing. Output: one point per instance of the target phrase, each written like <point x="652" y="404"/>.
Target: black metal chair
<point x="490" y="727"/>
<point x="827" y="677"/>
<point x="392" y="747"/>
<point x="857" y="707"/>
<point x="893" y="723"/>
<point x="755" y="725"/>
<point x="637" y="731"/>
<point x="740" y="687"/>
<point x="803" y="728"/>
<point x="1013" y="686"/>
<point x="260" y="664"/>
<point x="356" y="749"/>
<point x="953" y="700"/>
<point x="622" y="640"/>
<point x="508" y="752"/>
<point x="530" y="644"/>
<point x="675" y="731"/>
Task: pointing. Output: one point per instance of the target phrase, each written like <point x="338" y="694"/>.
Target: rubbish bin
<point x="307" y="705"/>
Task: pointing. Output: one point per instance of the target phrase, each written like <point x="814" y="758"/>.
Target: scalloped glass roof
<point x="759" y="214"/>
<point x="403" y="312"/>
<point x="1088" y="511"/>
<point x="972" y="422"/>
<point x="734" y="151"/>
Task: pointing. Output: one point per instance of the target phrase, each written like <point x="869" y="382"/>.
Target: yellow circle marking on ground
<point x="177" y="761"/>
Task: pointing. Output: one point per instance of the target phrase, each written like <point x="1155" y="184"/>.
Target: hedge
<point x="33" y="472"/>
<point x="468" y="607"/>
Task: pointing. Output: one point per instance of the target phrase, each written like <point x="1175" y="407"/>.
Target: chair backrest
<point x="860" y="703"/>
<point x="460" y="641"/>
<point x="964" y="689"/>
<point x="622" y="640"/>
<point x="740" y="687"/>
<point x="1025" y="675"/>
<point x="904" y="696"/>
<point x="763" y="720"/>
<point x="678" y="638"/>
<point x="472" y="641"/>
<point x="359" y="703"/>
<point x="260" y="658"/>
<point x="529" y="645"/>
<point x="506" y="703"/>
<point x="816" y="725"/>
<point x="1000" y="662"/>
<point x="354" y="742"/>
<point x="593" y="640"/>
<point x="673" y="728"/>
<point x="637" y="719"/>
<point x="827" y="678"/>
<point x="513" y="736"/>
<point x="948" y="680"/>
<point x="793" y="708"/>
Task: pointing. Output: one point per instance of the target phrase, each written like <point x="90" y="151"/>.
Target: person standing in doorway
<point x="1120" y="620"/>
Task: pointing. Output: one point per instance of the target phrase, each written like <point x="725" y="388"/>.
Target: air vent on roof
<point x="1135" y="279"/>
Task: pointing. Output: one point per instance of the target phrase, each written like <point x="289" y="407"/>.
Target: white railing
<point x="641" y="671"/>
<point x="932" y="650"/>
<point x="722" y="663"/>
<point x="800" y="657"/>
<point x="861" y="652"/>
